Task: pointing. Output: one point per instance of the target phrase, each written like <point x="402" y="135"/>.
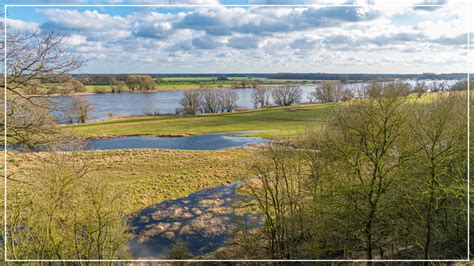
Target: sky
<point x="210" y="36"/>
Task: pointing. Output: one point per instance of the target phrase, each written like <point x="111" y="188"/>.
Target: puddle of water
<point x="204" y="221"/>
<point x="198" y="142"/>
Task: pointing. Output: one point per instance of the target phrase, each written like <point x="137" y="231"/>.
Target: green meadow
<point x="164" y="87"/>
<point x="270" y="123"/>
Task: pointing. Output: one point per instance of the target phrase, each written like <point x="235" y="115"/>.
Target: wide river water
<point x="166" y="102"/>
<point x="139" y="103"/>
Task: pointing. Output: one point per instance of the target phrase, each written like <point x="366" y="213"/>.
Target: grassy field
<point x="273" y="122"/>
<point x="165" y="86"/>
<point x="186" y="85"/>
<point x="188" y="79"/>
<point x="179" y="83"/>
<point x="270" y="122"/>
<point x="148" y="176"/>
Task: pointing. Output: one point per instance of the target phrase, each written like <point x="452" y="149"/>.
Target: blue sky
<point x="373" y="36"/>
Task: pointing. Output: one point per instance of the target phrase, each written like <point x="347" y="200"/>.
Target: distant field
<point x="182" y="83"/>
<point x="164" y="86"/>
<point x="274" y="122"/>
<point x="188" y="79"/>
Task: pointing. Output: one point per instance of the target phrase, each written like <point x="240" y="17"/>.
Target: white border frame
<point x="469" y="6"/>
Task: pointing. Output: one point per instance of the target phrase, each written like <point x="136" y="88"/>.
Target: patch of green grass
<point x="191" y="85"/>
<point x="177" y="83"/>
<point x="94" y="88"/>
<point x="167" y="86"/>
<point x="188" y="79"/>
<point x="272" y="122"/>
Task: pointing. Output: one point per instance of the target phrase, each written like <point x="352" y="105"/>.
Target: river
<point x="165" y="102"/>
<point x="139" y="103"/>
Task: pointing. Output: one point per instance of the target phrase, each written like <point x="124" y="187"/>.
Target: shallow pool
<point x="198" y="142"/>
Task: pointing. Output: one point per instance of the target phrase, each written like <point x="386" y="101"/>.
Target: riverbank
<point x="271" y="123"/>
<point x="108" y="89"/>
<point x="103" y="89"/>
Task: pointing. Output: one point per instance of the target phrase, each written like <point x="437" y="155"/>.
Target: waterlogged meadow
<point x="148" y="176"/>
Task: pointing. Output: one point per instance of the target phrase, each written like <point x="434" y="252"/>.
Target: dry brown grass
<point x="149" y="176"/>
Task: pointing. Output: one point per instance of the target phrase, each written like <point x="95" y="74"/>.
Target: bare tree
<point x="30" y="122"/>
<point x="367" y="145"/>
<point x="56" y="210"/>
<point x="358" y="90"/>
<point x="328" y="92"/>
<point x="458" y="86"/>
<point x="387" y="89"/>
<point x="78" y="109"/>
<point x="33" y="60"/>
<point x="36" y="56"/>
<point x="437" y="86"/>
<point x="279" y="194"/>
<point x="438" y="135"/>
<point x="261" y="97"/>
<point x="210" y="101"/>
<point x="190" y="102"/>
<point x="228" y="100"/>
<point x="420" y="88"/>
<point x="287" y="95"/>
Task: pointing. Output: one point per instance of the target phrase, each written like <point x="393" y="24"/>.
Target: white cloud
<point x="75" y="40"/>
<point x="89" y="20"/>
<point x="20" y="25"/>
<point x="137" y="2"/>
<point x="366" y="38"/>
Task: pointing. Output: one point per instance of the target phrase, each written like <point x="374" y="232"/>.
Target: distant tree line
<point x="119" y="83"/>
<point x="68" y="84"/>
<point x="65" y="83"/>
<point x="296" y="76"/>
<point x="280" y="96"/>
<point x="328" y="76"/>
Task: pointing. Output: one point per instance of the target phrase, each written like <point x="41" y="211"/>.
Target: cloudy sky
<point x="373" y="36"/>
